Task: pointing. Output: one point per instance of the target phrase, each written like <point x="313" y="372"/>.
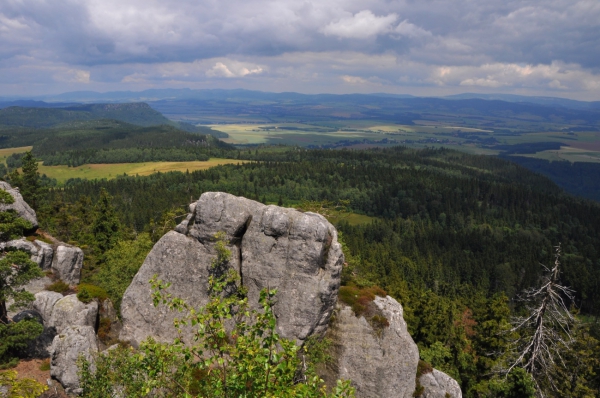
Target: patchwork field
<point x="110" y="171"/>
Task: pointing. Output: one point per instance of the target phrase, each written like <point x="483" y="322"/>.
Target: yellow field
<point x="6" y="152"/>
<point x="109" y="171"/>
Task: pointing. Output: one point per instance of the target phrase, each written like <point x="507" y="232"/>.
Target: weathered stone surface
<point x="437" y="384"/>
<point x="44" y="304"/>
<point x="178" y="259"/>
<point x="45" y="255"/>
<point x="69" y="311"/>
<point x="67" y="263"/>
<point x="380" y="363"/>
<point x="296" y="253"/>
<point x="41" y="252"/>
<point x="66" y="348"/>
<point x="19" y="206"/>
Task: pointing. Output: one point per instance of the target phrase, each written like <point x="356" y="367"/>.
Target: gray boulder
<point x="67" y="263"/>
<point x="67" y="347"/>
<point x="44" y="304"/>
<point x="437" y="384"/>
<point x="69" y="311"/>
<point x="41" y="252"/>
<point x="296" y="253"/>
<point x="19" y="206"/>
<point x="380" y="362"/>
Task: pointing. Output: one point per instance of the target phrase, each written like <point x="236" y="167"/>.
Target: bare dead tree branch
<point x="545" y="332"/>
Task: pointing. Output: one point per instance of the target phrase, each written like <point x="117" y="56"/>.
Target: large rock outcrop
<point x="381" y="362"/>
<point x="294" y="252"/>
<point x="19" y="206"/>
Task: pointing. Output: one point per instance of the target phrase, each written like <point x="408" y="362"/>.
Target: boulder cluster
<point x="295" y="252"/>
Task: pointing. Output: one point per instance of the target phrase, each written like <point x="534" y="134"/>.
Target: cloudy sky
<point x="419" y="47"/>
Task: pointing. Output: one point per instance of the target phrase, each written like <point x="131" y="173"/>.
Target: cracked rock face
<point x="19" y="206"/>
<point x="296" y="253"/>
<point x="380" y="363"/>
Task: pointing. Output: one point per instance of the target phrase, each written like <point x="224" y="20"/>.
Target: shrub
<point x="359" y="299"/>
<point x="58" y="287"/>
<point x="87" y="292"/>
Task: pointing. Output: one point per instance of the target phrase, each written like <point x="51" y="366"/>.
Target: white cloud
<point x="235" y="69"/>
<point x="408" y="29"/>
<point x="354" y="79"/>
<point x="362" y="25"/>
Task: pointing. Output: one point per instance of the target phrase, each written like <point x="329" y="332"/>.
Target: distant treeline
<point x="579" y="178"/>
<point x="128" y="155"/>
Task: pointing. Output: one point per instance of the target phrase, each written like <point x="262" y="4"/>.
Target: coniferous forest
<point x="454" y="237"/>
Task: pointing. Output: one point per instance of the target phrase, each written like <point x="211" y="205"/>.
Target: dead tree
<point x="545" y="331"/>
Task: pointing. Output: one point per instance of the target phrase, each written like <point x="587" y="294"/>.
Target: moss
<point x="359" y="299"/>
<point x="45" y="365"/>
<point x="422" y="368"/>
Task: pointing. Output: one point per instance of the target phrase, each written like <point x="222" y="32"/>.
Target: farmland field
<point x="110" y="171"/>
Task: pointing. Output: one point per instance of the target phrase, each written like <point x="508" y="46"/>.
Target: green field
<point x="6" y="152"/>
<point x="110" y="171"/>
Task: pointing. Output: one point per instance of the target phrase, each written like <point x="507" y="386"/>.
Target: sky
<point x="418" y="47"/>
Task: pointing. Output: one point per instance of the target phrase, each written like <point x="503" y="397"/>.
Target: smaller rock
<point x="29" y="315"/>
<point x="438" y="384"/>
<point x="184" y="225"/>
<point x="69" y="311"/>
<point x="41" y="252"/>
<point x="44" y="304"/>
<point x="67" y="347"/>
<point x="67" y="263"/>
<point x="19" y="206"/>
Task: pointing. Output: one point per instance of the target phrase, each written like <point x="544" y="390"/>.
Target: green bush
<point x="87" y="292"/>
<point x="58" y="287"/>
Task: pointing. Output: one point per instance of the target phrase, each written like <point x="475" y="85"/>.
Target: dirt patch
<point x="30" y="369"/>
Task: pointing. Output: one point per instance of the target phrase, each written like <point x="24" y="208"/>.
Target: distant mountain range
<point x="153" y="95"/>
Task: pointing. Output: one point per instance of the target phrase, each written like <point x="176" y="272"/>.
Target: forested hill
<point x="110" y="141"/>
<point x="139" y="114"/>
